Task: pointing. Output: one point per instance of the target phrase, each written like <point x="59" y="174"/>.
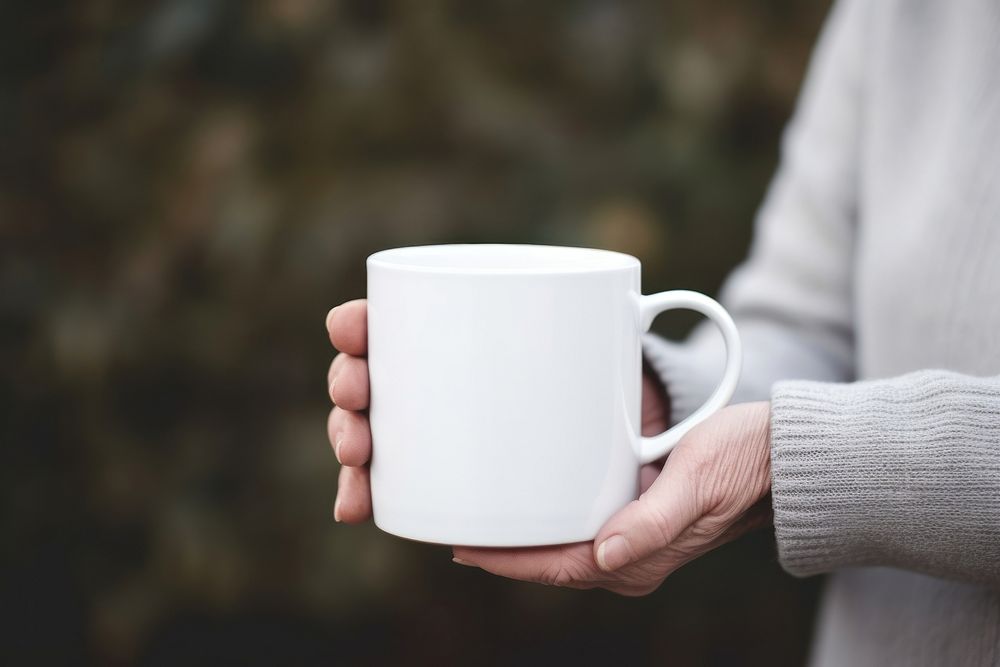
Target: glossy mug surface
<point x="505" y="390"/>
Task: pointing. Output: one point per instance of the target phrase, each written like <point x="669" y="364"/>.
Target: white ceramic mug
<point x="506" y="390"/>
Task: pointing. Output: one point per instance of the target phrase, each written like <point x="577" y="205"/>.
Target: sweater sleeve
<point x="791" y="299"/>
<point x="902" y="472"/>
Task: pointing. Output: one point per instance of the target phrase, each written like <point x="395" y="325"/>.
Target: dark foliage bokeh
<point x="187" y="186"/>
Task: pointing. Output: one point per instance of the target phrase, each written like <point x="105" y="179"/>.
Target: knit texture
<point x="875" y="261"/>
<point x="902" y="472"/>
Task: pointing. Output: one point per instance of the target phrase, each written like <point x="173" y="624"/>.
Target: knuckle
<point x="564" y="571"/>
<point x="702" y="463"/>
<point x="710" y="528"/>
<point x="658" y="522"/>
<point x="556" y="574"/>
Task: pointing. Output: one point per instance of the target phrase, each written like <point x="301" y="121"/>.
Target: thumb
<point x="650" y="523"/>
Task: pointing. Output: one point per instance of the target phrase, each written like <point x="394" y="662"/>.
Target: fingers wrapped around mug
<point x="347" y="325"/>
<point x="354" y="496"/>
<point x="348" y="382"/>
<point x="350" y="436"/>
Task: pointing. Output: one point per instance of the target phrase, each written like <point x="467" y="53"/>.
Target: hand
<point x="347" y="426"/>
<point x="712" y="489"/>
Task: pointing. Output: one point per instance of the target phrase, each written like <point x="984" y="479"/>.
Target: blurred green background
<point x="187" y="186"/>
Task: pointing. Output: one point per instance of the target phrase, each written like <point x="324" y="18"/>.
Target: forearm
<point x="902" y="472"/>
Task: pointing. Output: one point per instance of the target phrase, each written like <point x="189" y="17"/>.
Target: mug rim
<point x="506" y="259"/>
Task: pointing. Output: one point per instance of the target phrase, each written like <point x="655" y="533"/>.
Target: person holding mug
<point x="867" y="423"/>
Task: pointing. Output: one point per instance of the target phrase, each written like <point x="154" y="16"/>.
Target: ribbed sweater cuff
<point x="895" y="472"/>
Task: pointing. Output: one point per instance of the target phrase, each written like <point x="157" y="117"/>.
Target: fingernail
<point x="338" y="441"/>
<point x="336" y="510"/>
<point x="329" y="316"/>
<point x="333" y="383"/>
<point x="463" y="562"/>
<point x="613" y="553"/>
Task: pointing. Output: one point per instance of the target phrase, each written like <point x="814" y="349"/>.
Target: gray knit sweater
<point x="870" y="312"/>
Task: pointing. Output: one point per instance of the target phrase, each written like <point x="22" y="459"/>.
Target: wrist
<point x="746" y="458"/>
<point x="762" y="447"/>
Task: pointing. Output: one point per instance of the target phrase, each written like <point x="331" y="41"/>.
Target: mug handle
<point x="652" y="305"/>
